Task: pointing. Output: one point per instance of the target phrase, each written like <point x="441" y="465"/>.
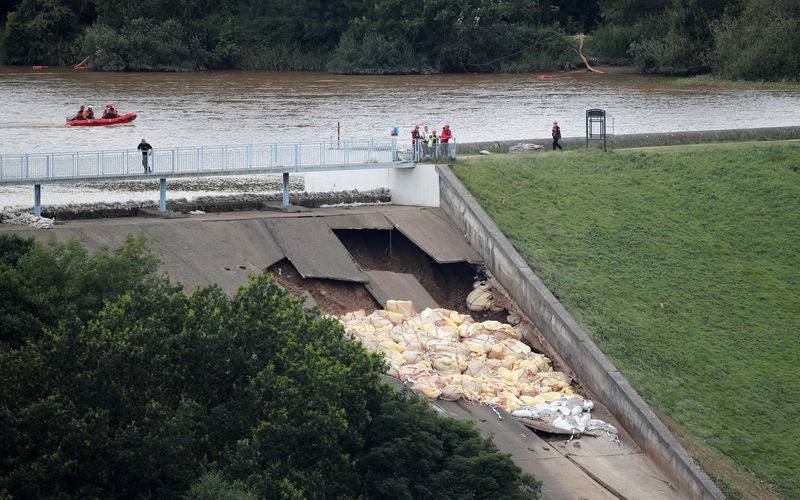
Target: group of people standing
<point x="86" y="112"/>
<point x="426" y="142"/>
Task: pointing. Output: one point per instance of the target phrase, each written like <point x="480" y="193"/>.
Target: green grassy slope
<point x="682" y="265"/>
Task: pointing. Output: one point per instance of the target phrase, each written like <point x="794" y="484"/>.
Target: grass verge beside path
<point x="682" y="265"/>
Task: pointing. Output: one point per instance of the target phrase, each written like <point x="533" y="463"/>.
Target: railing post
<point x="286" y="189"/>
<point x="37" y="200"/>
<point x="47" y="165"/>
<point x="249" y="156"/>
<point x="346" y="153"/>
<point x="163" y="195"/>
<point x="200" y="158"/>
<point x="173" y="165"/>
<point x="394" y="150"/>
<point x="369" y="152"/>
<point x="296" y="156"/>
<point x="225" y="158"/>
<point x="27" y="166"/>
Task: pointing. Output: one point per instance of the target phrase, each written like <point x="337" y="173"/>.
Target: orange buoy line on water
<point x="41" y="67"/>
<point x="544" y="77"/>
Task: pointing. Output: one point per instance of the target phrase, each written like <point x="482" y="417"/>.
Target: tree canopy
<point x="115" y="383"/>
<point x="738" y="39"/>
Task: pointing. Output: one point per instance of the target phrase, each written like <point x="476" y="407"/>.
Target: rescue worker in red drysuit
<point x="79" y="114"/>
<point x="444" y="139"/>
<point x="110" y="112"/>
<point x="556" y="137"/>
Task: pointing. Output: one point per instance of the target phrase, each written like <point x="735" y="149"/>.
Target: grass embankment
<point x="682" y="265"/>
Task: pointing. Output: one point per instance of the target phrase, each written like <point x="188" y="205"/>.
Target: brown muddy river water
<point x="214" y="108"/>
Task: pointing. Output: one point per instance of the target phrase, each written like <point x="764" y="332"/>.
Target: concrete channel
<point x="445" y="236"/>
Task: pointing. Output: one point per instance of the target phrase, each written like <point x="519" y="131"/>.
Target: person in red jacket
<point x="444" y="139"/>
<point x="416" y="142"/>
<point x="556" y="137"/>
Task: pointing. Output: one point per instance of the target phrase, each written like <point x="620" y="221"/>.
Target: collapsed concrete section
<point x="362" y="257"/>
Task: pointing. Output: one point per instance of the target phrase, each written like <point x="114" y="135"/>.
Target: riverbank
<point x="643" y="140"/>
<point x="680" y="265"/>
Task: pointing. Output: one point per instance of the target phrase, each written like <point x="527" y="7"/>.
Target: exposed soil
<point x="385" y="250"/>
<point x="390" y="250"/>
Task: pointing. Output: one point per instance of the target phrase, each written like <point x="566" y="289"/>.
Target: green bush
<point x="375" y="54"/>
<point x="761" y="44"/>
<point x="143" y="45"/>
<point x="141" y="391"/>
<point x="610" y="42"/>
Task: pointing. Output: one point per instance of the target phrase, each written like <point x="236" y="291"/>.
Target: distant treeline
<point x="736" y="39"/>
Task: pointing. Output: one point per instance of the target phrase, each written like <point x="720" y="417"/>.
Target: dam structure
<point x="425" y="246"/>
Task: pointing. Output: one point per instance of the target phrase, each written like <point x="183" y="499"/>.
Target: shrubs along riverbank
<point x="681" y="266"/>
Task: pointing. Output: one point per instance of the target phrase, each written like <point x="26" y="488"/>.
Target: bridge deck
<point x="206" y="161"/>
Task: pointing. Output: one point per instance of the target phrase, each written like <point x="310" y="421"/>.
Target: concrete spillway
<point x="324" y="245"/>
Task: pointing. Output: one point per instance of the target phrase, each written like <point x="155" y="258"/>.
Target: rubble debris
<point x="525" y="147"/>
<point x="21" y="218"/>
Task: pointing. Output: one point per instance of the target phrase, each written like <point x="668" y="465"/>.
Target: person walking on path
<point x="147" y="150"/>
<point x="556" y="136"/>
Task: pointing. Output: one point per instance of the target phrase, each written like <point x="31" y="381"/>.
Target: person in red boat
<point x="79" y="114"/>
<point x="110" y="112"/>
<point x="88" y="114"/>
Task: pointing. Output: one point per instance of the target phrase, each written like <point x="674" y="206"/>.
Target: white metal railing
<point x="238" y="158"/>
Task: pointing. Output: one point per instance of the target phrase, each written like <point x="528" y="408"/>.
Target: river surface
<point x="213" y="108"/>
<point x="216" y="108"/>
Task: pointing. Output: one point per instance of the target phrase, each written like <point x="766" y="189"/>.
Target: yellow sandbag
<point x="447" y="332"/>
<point x="479" y="299"/>
<point x="395" y="318"/>
<point x="446" y="365"/>
<point x="394" y="356"/>
<point x="516" y="346"/>
<point x="402" y="307"/>
<point x="411" y="356"/>
<point x="451" y="393"/>
<point x="506" y="374"/>
<point x="476" y="368"/>
<point x="431" y="392"/>
<point x="497" y="351"/>
<point x="476" y="347"/>
<point x="545" y="397"/>
<point x="392" y="346"/>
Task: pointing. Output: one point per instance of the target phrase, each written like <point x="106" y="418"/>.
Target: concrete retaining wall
<point x="643" y="139"/>
<point x="571" y="342"/>
<point x="418" y="186"/>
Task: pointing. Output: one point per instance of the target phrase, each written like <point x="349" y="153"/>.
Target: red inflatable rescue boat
<point x="103" y="121"/>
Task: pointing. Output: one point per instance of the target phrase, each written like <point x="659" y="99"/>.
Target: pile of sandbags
<point x="22" y="218"/>
<point x="442" y="353"/>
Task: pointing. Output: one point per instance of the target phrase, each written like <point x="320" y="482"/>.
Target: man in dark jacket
<point x="147" y="150"/>
<point x="556" y="136"/>
<point x="416" y="142"/>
